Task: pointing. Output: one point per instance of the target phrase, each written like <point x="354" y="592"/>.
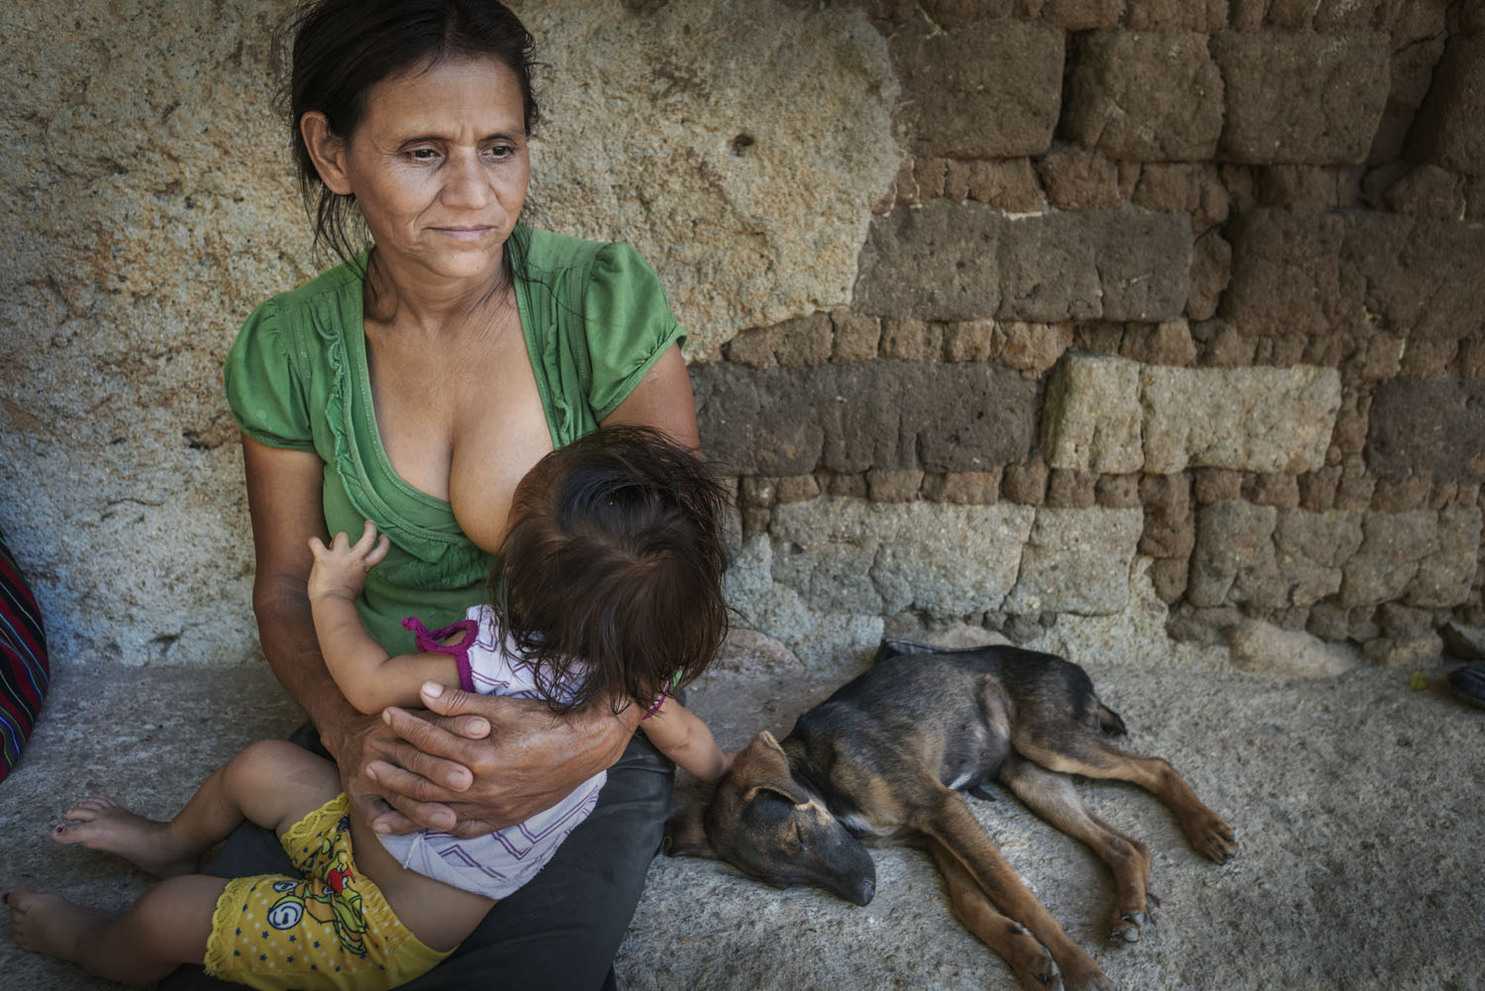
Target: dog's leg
<point x="1053" y="797"/>
<point x="1086" y="754"/>
<point x="1029" y="960"/>
<point x="953" y="826"/>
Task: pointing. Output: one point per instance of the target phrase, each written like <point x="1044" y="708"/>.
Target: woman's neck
<point x="403" y="292"/>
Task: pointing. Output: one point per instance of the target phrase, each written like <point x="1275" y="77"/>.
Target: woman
<point x="415" y="385"/>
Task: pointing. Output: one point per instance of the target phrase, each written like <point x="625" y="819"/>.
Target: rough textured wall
<point x="148" y="206"/>
<point x="1181" y="293"/>
<point x="1000" y="309"/>
<point x="742" y="162"/>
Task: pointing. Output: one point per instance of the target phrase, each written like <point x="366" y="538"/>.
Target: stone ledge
<point x="1297" y="767"/>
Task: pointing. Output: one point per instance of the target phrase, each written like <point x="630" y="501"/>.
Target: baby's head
<point x="609" y="583"/>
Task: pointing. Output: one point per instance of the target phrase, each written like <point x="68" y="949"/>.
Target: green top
<point x="595" y="319"/>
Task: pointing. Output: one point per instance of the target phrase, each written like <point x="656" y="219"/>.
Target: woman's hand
<point x="353" y="742"/>
<point x="477" y="763"/>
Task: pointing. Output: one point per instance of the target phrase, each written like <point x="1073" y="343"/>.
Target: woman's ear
<point x="327" y="150"/>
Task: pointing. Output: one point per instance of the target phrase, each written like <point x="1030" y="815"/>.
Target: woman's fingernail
<point x="432" y="689"/>
<point x="381" y="827"/>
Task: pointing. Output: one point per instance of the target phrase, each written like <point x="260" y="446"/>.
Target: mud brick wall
<point x="999" y="310"/>
<point x="1195" y="282"/>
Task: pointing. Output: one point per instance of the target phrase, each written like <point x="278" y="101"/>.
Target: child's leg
<point x="168" y="927"/>
<point x="272" y="783"/>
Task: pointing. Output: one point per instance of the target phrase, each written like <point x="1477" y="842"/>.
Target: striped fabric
<point x="24" y="673"/>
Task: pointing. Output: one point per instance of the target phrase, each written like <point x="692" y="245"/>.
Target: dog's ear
<point x="764" y="751"/>
<point x="767" y="769"/>
<point x="792" y="795"/>
<point x="685" y="833"/>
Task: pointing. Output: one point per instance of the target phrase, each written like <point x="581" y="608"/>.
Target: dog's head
<point x="763" y="822"/>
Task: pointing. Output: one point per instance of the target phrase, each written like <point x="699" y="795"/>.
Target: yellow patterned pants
<point x="329" y="928"/>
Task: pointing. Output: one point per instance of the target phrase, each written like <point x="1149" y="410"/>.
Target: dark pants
<point x="563" y="929"/>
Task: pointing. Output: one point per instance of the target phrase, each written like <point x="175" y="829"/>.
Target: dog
<point x="886" y="758"/>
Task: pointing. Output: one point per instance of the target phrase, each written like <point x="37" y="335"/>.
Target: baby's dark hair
<point x="609" y="584"/>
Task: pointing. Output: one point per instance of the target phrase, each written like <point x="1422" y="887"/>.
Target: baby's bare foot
<point x="99" y="824"/>
<point x="50" y="924"/>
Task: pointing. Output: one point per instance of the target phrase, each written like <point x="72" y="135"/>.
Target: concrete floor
<point x="1358" y="805"/>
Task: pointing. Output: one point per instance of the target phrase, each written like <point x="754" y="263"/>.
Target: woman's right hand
<point x="476" y="763"/>
<point x="357" y="741"/>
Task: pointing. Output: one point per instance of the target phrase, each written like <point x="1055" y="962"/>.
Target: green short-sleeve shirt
<point x="595" y="319"/>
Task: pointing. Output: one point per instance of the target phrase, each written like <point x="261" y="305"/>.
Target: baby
<point x="608" y="592"/>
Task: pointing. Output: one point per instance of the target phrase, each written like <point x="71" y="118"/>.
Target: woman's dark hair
<point x="609" y="584"/>
<point x="342" y="48"/>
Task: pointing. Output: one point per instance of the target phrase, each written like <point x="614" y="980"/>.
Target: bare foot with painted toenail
<point x="99" y="824"/>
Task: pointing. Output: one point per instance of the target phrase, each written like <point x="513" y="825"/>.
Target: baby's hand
<point x="340" y="570"/>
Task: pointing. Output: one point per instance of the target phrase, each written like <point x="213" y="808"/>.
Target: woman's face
<point x="439" y="165"/>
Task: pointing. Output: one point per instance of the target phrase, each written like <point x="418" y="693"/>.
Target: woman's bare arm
<point x="283" y="489"/>
<point x="284" y="501"/>
<point x="663" y="400"/>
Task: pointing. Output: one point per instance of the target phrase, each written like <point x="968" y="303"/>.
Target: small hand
<point x="339" y="571"/>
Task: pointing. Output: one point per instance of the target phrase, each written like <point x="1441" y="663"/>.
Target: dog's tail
<point x="1109" y="721"/>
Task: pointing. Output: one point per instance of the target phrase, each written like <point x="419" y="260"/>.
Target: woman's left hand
<point x="523" y="759"/>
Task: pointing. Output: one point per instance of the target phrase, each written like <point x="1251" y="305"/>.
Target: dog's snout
<point x="866" y="890"/>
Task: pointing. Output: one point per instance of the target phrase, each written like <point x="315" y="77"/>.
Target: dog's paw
<point x="1040" y="974"/>
<point x="1090" y="978"/>
<point x="1211" y="837"/>
<point x="1128" y="927"/>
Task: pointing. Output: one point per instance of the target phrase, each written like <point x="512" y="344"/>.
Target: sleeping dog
<point x="885" y="759"/>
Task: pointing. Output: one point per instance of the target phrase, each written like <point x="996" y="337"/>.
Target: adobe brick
<point x="1428" y="427"/>
<point x="1301" y="98"/>
<point x="985" y="88"/>
<point x="849" y="418"/>
<point x="1146" y="96"/>
<point x="967" y="261"/>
